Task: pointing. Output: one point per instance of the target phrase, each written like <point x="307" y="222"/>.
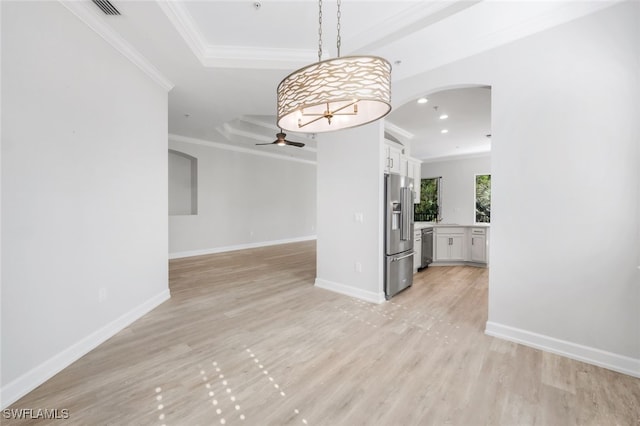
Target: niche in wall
<point x="183" y="183"/>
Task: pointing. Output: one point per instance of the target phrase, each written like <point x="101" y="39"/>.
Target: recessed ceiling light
<point x="444" y="131"/>
<point x="444" y="117"/>
<point x="423" y="100"/>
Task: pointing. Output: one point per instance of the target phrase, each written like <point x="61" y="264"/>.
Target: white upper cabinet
<point x="396" y="162"/>
<point x="393" y="160"/>
<point x="414" y="171"/>
<point x="404" y="166"/>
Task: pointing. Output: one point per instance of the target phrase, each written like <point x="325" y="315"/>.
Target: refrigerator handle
<point x="405" y="231"/>
<point x="396" y="259"/>
<point x="411" y="207"/>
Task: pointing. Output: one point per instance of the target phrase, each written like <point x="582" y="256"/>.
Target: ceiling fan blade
<point x="282" y="141"/>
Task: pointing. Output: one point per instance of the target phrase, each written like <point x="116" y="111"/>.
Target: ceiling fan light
<point x="357" y="88"/>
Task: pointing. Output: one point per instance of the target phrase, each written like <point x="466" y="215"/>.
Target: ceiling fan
<point x="282" y="141"/>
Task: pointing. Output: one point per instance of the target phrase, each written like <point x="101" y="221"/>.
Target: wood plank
<point x="247" y="339"/>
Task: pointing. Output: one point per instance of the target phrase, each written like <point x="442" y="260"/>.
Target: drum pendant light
<point x="336" y="93"/>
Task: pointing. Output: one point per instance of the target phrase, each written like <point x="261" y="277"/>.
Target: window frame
<point x="475" y="199"/>
<point x="438" y="182"/>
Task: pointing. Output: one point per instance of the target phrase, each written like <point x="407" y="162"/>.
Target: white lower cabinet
<point x="417" y="248"/>
<point x="478" y="252"/>
<point x="450" y="244"/>
<point x="461" y="245"/>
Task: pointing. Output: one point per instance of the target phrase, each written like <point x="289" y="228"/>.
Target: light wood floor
<point x="246" y="339"/>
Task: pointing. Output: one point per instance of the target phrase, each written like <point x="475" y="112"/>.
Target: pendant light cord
<point x="319" y="30"/>
<point x="339" y="40"/>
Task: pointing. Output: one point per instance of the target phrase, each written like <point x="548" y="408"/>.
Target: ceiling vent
<point x="106" y="7"/>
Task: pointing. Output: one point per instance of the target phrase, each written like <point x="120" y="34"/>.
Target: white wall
<point x="350" y="181"/>
<point x="244" y="200"/>
<point x="573" y="172"/>
<point x="1" y="351"/>
<point x="565" y="175"/>
<point x="457" y="186"/>
<point x="84" y="192"/>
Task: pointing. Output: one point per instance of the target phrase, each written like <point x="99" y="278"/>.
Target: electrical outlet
<point x="102" y="294"/>
<point x="358" y="217"/>
<point x="358" y="267"/>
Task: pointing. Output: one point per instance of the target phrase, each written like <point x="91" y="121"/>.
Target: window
<point x="429" y="208"/>
<point x="483" y="198"/>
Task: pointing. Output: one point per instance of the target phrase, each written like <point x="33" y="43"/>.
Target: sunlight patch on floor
<point x="271" y="379"/>
<point x="160" y="406"/>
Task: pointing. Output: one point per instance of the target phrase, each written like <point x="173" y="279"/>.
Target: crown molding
<point x="89" y="17"/>
<point x="256" y="57"/>
<point x="185" y="25"/>
<point x="560" y="13"/>
<point x="397" y="130"/>
<point x="251" y="135"/>
<point x="227" y="147"/>
<point x="409" y="20"/>
<point x="231" y="56"/>
<point x="485" y="37"/>
<point x="454" y="157"/>
<point x="257" y="122"/>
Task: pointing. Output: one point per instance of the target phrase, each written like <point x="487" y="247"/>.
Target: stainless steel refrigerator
<point x="398" y="243"/>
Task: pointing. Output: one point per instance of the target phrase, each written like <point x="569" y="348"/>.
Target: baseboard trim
<point x="615" y="362"/>
<point x="459" y="263"/>
<point x="24" y="384"/>
<point x="214" y="250"/>
<point x="368" y="296"/>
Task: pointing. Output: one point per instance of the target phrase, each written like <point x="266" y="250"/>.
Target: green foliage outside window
<point x="427" y="210"/>
<point x="483" y="198"/>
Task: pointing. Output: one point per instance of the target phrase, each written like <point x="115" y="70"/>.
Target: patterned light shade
<point x="335" y="94"/>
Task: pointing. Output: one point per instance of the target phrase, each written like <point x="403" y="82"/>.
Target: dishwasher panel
<point x="427" y="247"/>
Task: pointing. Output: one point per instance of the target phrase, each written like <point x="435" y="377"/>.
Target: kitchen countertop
<point x="422" y="225"/>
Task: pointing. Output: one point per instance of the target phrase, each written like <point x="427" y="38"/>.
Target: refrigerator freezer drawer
<point x="398" y="273"/>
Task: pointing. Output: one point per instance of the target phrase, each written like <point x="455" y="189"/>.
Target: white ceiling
<point x="226" y="58"/>
<point x="453" y="122"/>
